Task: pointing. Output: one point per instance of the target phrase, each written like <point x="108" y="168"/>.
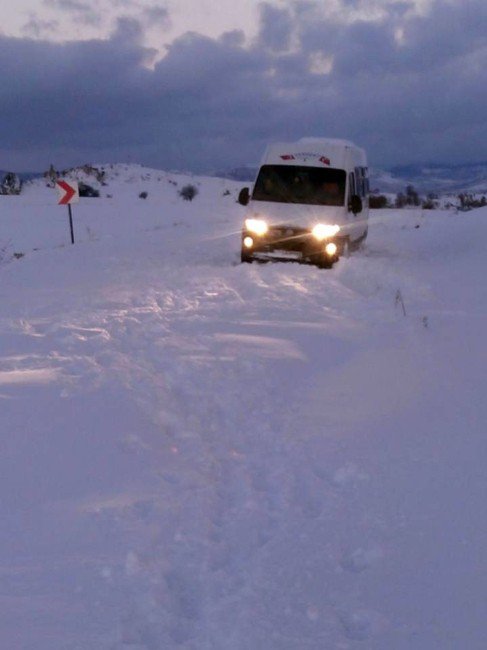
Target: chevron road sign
<point x="68" y="192"/>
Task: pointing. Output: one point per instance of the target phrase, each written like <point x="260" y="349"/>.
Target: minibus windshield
<point x="298" y="184"/>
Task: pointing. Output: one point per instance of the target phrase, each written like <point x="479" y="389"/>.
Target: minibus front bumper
<point x="290" y="243"/>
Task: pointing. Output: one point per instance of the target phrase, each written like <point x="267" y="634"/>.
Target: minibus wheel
<point x="322" y="261"/>
<point x="344" y="247"/>
<point x="357" y="244"/>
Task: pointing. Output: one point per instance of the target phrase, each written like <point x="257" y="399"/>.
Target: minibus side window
<point x="365" y="173"/>
<point x="360" y="180"/>
<point x="351" y="184"/>
<point x="366" y="181"/>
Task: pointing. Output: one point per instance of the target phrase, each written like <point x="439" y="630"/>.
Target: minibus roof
<point x="315" y="152"/>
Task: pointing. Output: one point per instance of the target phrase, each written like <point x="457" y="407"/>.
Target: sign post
<point x="71" y="222"/>
<point x="68" y="193"/>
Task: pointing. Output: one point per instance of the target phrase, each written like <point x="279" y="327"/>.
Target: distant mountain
<point x="439" y="178"/>
<point x="25" y="176"/>
<point x="246" y="174"/>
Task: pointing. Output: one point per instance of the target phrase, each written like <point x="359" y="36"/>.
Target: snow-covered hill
<point x="445" y="180"/>
<point x="35" y="221"/>
<point x="203" y="455"/>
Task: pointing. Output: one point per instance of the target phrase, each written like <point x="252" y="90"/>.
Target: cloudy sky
<point x="204" y="84"/>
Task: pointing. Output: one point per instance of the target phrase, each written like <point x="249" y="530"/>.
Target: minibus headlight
<point x="331" y="249"/>
<point x="257" y="226"/>
<point x="324" y="231"/>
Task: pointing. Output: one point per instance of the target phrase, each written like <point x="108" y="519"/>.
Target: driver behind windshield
<point x="302" y="185"/>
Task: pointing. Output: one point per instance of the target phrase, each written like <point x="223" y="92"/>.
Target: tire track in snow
<point x="238" y="487"/>
<point x="223" y="544"/>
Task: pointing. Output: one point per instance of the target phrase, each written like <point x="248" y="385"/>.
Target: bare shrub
<point x="377" y="201"/>
<point x="188" y="192"/>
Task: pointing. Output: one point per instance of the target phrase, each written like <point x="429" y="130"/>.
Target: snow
<point x="203" y="455"/>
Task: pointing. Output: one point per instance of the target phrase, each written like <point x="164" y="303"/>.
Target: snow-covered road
<point x="203" y="455"/>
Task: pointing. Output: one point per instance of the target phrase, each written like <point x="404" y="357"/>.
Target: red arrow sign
<point x="68" y="192"/>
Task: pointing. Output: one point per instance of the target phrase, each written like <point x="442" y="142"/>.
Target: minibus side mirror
<point x="355" y="204"/>
<point x="244" y="196"/>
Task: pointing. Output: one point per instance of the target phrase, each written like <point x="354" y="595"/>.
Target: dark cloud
<point x="128" y="30"/>
<point x="77" y="6"/>
<point x="235" y="38"/>
<point x="82" y="11"/>
<point x="35" y="27"/>
<point x="399" y="43"/>
<point x="156" y="15"/>
<point x="276" y="27"/>
<point x="409" y="88"/>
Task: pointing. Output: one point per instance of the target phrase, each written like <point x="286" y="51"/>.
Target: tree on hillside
<point x="377" y="201"/>
<point x="412" y="197"/>
<point x="431" y="202"/>
<point x="401" y="200"/>
<point x="11" y="184"/>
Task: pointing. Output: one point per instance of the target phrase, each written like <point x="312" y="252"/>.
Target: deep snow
<point x="203" y="455"/>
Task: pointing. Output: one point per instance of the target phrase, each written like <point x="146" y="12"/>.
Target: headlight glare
<point x="331" y="249"/>
<point x="257" y="226"/>
<point x="325" y="231"/>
